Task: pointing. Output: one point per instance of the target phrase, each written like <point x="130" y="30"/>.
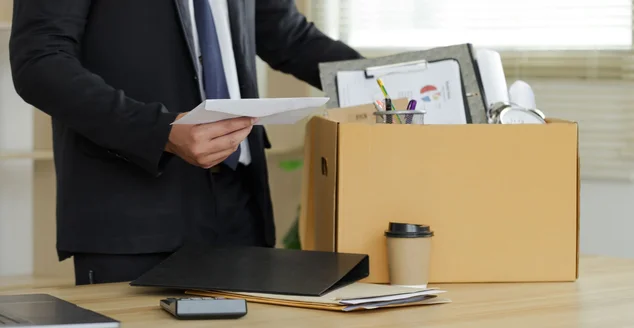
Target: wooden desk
<point x="603" y="297"/>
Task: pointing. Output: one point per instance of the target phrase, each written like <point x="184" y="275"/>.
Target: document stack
<point x="354" y="297"/>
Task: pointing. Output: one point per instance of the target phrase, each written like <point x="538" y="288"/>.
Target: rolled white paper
<point x="492" y="75"/>
<point x="521" y="95"/>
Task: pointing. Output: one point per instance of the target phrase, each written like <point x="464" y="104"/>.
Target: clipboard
<point x="383" y="70"/>
<point x="464" y="54"/>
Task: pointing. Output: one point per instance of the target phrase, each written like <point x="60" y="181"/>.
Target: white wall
<point x="607" y="218"/>
<point x="16" y="196"/>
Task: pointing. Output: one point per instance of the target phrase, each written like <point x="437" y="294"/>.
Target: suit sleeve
<point x="45" y="52"/>
<point x="289" y="43"/>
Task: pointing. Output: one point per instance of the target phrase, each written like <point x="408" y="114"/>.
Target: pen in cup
<point x="378" y="105"/>
<point x="410" y="106"/>
<point x="388" y="107"/>
<point x="382" y="87"/>
<point x="388" y="102"/>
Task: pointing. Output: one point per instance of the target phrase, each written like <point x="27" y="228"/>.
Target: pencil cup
<point x="408" y="254"/>
<point x="400" y="117"/>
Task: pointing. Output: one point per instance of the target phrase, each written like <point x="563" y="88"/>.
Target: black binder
<point x="256" y="270"/>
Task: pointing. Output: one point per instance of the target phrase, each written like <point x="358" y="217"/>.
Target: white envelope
<point x="268" y="110"/>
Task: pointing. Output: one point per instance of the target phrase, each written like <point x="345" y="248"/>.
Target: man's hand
<point x="206" y="145"/>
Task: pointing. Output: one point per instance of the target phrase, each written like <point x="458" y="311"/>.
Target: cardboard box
<point x="503" y="200"/>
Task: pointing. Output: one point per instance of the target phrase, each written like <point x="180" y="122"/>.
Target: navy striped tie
<point x="214" y="78"/>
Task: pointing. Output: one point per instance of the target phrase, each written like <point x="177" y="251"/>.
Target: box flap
<point x="557" y="120"/>
<point x="361" y="113"/>
<point x="319" y="187"/>
<point x="578" y="202"/>
<point x="357" y="114"/>
<point x="306" y="219"/>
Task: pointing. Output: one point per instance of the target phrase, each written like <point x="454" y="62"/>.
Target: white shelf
<point x="5" y="26"/>
<point x="34" y="155"/>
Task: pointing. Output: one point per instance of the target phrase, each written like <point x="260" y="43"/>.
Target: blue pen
<point x="410" y="106"/>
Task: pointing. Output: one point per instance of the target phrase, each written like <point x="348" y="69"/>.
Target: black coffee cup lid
<point x="407" y="230"/>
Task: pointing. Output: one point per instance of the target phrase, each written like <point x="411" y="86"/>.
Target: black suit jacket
<point x="113" y="74"/>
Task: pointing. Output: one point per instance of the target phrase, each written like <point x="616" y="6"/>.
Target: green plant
<point x="291" y="239"/>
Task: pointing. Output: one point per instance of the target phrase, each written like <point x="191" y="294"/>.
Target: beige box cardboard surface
<point x="503" y="200"/>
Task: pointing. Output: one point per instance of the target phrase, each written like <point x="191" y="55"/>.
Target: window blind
<point x="577" y="55"/>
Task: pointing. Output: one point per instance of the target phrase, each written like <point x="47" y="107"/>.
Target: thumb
<point x="181" y="115"/>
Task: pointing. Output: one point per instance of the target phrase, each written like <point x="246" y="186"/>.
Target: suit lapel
<point x="241" y="18"/>
<point x="184" y="14"/>
<point x="236" y="9"/>
<point x="241" y="21"/>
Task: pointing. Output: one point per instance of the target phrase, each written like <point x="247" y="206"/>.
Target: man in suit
<point x="113" y="75"/>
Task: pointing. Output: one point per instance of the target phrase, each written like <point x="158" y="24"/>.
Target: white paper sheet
<point x="268" y="110"/>
<point x="420" y="300"/>
<point x="493" y="77"/>
<point x="437" y="90"/>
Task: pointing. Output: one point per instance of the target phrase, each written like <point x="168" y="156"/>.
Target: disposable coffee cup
<point x="408" y="254"/>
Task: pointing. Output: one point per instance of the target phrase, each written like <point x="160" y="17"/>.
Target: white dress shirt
<point x="221" y="18"/>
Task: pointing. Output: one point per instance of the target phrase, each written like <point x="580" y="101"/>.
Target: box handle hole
<point x="324" y="167"/>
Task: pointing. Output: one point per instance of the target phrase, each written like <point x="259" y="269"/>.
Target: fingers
<point x="179" y="116"/>
<point x="210" y="160"/>
<point x="214" y="130"/>
<point x="229" y="141"/>
<point x="215" y="159"/>
<point x="212" y="143"/>
<point x="207" y="153"/>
